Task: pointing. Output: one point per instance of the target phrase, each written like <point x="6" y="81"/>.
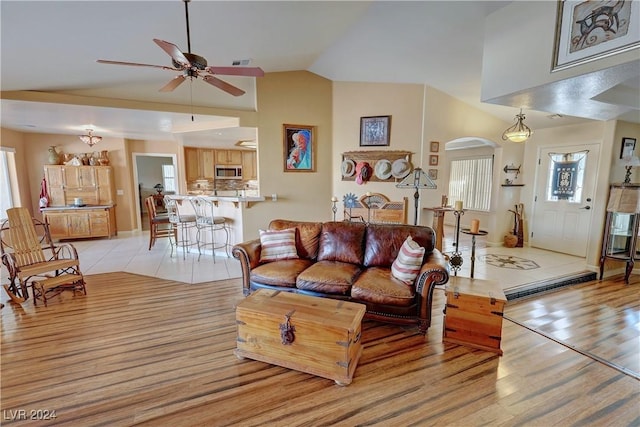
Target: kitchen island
<point x="231" y="207"/>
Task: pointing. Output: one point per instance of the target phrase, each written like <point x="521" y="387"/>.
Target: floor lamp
<point x="417" y="180"/>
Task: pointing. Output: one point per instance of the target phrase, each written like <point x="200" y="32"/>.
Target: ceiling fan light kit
<point x="194" y="66"/>
<point x="518" y="132"/>
<point x="89" y="138"/>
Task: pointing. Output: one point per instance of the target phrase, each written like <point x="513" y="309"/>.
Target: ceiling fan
<point x="194" y="66"/>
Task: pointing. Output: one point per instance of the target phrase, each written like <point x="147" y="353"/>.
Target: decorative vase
<point x="66" y="157"/>
<point x="104" y="158"/>
<point x="53" y="156"/>
<point x="93" y="160"/>
<point x="85" y="159"/>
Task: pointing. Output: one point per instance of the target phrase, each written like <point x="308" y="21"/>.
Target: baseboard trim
<point x="548" y="285"/>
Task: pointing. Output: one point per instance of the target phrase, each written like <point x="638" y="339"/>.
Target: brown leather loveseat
<point x="351" y="261"/>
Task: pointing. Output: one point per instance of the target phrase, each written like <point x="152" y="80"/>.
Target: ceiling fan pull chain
<point x="191" y="96"/>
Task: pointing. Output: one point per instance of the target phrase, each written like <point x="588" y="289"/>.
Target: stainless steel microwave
<point x="228" y="172"/>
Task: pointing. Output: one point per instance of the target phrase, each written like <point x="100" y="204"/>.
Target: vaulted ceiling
<point x="52" y="46"/>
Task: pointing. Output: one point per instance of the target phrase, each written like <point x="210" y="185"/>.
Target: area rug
<point x="508" y="261"/>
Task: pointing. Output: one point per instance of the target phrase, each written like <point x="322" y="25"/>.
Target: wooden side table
<point x="473" y="245"/>
<point x="438" y="223"/>
<point x="473" y="313"/>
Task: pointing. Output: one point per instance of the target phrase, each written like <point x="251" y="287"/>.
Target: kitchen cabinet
<point x="249" y="165"/>
<point x="620" y="239"/>
<point x="95" y="185"/>
<point x="229" y="157"/>
<point x="199" y="163"/>
<point x="75" y="223"/>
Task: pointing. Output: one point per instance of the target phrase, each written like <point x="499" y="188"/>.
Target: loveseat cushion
<point x="278" y="245"/>
<point x="378" y="286"/>
<point x="329" y="277"/>
<point x="279" y="273"/>
<point x="342" y="241"/>
<point x="383" y="242"/>
<point x="307" y="235"/>
<point x="409" y="261"/>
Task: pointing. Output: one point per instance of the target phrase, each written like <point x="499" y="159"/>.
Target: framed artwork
<point x="433" y="174"/>
<point x="591" y="30"/>
<point x="299" y="148"/>
<point x="435" y="146"/>
<point x="628" y="147"/>
<point x="433" y="160"/>
<point x="375" y="131"/>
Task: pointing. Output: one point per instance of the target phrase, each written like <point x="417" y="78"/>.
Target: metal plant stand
<point x="455" y="260"/>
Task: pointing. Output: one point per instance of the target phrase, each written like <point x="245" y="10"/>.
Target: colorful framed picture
<point x="433" y="174"/>
<point x="591" y="30"/>
<point x="628" y="147"/>
<point x="375" y="130"/>
<point x="433" y="160"/>
<point x="434" y="147"/>
<point x="299" y="148"/>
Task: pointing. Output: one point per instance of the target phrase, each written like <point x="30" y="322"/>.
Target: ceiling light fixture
<point x="519" y="132"/>
<point x="90" y="139"/>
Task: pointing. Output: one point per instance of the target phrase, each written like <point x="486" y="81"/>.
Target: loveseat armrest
<point x="434" y="271"/>
<point x="248" y="253"/>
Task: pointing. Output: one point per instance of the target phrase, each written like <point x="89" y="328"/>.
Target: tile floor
<point x="129" y="252"/>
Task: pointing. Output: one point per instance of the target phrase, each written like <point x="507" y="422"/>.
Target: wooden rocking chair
<point x="23" y="253"/>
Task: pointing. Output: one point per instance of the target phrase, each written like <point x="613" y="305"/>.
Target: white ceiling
<point x="52" y="46"/>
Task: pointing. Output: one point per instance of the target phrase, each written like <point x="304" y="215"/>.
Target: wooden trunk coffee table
<point x="319" y="336"/>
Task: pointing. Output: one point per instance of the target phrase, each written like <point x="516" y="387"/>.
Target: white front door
<point x="565" y="185"/>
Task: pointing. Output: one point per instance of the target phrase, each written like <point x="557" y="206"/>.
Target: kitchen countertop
<point x="74" y="207"/>
<point x="247" y="199"/>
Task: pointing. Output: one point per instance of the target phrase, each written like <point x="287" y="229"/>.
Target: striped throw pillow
<point x="408" y="262"/>
<point x="278" y="244"/>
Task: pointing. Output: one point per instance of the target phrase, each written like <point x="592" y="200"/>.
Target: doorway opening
<point x="152" y="175"/>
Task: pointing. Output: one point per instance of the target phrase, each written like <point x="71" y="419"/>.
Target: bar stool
<point x="209" y="223"/>
<point x="181" y="223"/>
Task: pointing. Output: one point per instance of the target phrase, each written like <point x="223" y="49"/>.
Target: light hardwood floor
<point x="148" y="351"/>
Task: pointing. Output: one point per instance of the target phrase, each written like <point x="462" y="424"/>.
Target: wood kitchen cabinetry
<point x="229" y="157"/>
<point x="199" y="163"/>
<point x="93" y="184"/>
<point x="249" y="165"/>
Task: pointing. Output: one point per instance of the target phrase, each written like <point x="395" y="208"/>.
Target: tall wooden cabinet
<point x="95" y="185"/>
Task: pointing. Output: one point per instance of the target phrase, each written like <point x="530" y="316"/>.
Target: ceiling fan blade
<point x="173" y="51"/>
<point x="174" y="83"/>
<point x="235" y="91"/>
<point x="236" y="71"/>
<point x="105" y="61"/>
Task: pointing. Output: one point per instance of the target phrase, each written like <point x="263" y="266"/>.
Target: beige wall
<point x="419" y="115"/>
<point x="300" y="98"/>
<point x="15" y="140"/>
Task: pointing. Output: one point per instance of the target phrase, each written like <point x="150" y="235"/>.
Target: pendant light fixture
<point x="519" y="132"/>
<point x="90" y="139"/>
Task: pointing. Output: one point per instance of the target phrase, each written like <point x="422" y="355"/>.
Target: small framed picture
<point x="299" y="148"/>
<point x="628" y="147"/>
<point x="433" y="174"/>
<point x="375" y="131"/>
<point x="435" y="146"/>
<point x="433" y="160"/>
